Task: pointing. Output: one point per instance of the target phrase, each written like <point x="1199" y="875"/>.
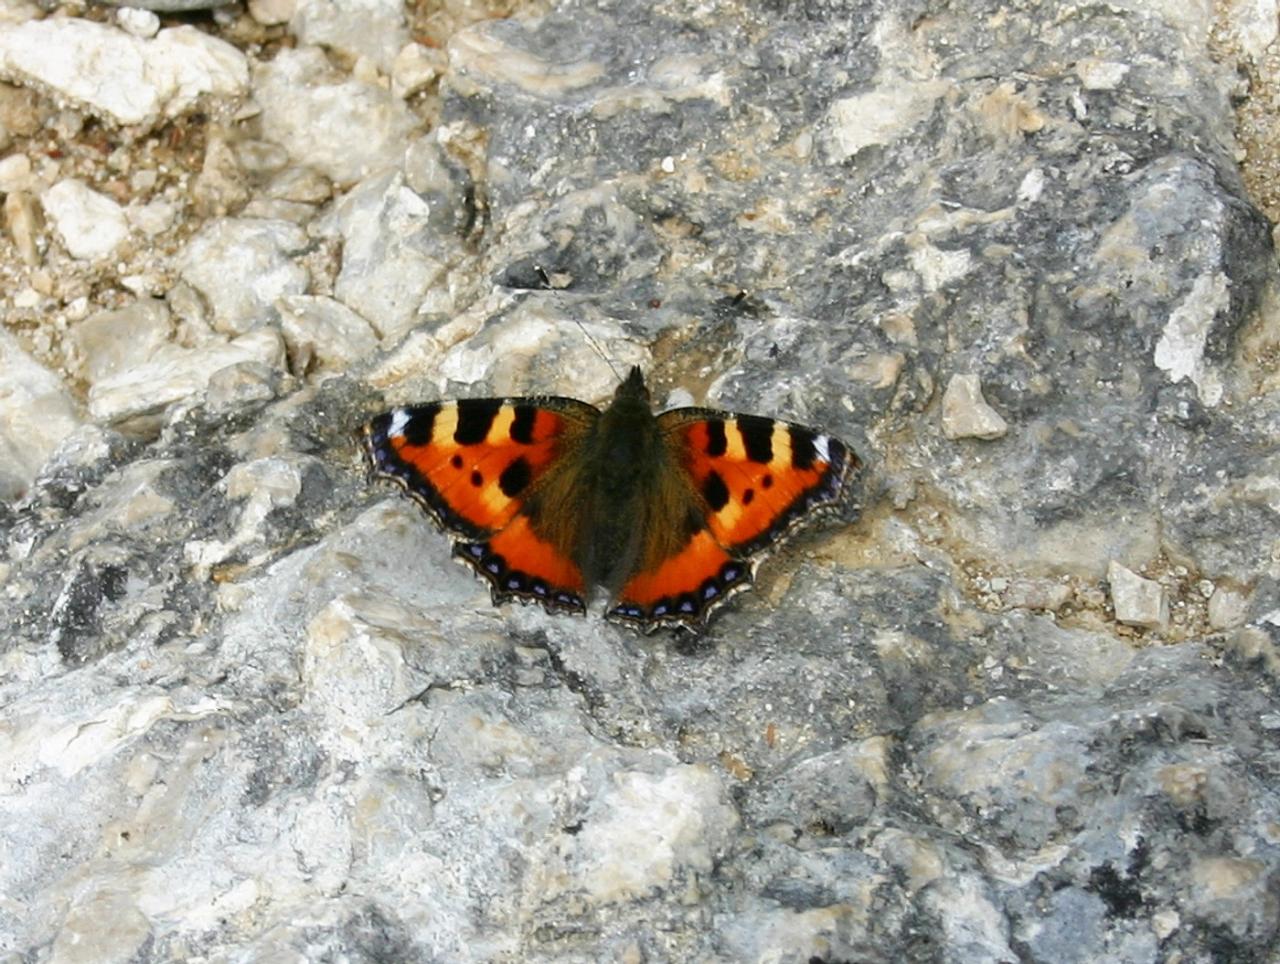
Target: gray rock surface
<point x="249" y="709"/>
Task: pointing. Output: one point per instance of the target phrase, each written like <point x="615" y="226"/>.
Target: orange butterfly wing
<point x="756" y="480"/>
<point x="471" y="465"/>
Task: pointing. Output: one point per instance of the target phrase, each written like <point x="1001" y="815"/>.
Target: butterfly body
<point x="548" y="498"/>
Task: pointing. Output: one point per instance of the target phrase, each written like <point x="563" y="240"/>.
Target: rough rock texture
<point x="1024" y="709"/>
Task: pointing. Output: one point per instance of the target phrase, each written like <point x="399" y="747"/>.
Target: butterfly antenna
<point x="599" y="351"/>
<point x="546" y="284"/>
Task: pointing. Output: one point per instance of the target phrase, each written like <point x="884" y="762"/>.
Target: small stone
<point x="300" y="184"/>
<point x="22" y="221"/>
<point x="154" y="217"/>
<point x="373" y="29"/>
<point x="121" y="78"/>
<point x="241" y="266"/>
<point x="221" y="186"/>
<point x="415" y="68"/>
<point x="1137" y="601"/>
<point x="1228" y="608"/>
<point x="966" y="414"/>
<point x="90" y="224"/>
<point x="270" y="13"/>
<point x="15" y="173"/>
<point x="36" y="414"/>
<point x="139" y="22"/>
<point x="303" y="101"/>
<point x="175" y="374"/>
<point x="391" y="255"/>
<point x="1042" y="594"/>
<point x="22" y="110"/>
<point x="261" y="157"/>
<point x="111" y="342"/>
<point x="1100" y="74"/>
<point x="241" y="385"/>
<point x="326" y="330"/>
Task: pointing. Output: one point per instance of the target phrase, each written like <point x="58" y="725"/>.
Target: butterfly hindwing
<point x="472" y="464"/>
<point x="756" y="479"/>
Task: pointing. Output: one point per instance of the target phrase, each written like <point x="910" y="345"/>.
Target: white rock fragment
<point x="152" y="218"/>
<point x="391" y="253"/>
<point x="1180" y="350"/>
<point x="15" y="173"/>
<point x="36" y="414"/>
<point x="344" y="128"/>
<point x="1097" y="74"/>
<point x="90" y="224"/>
<point x="325" y="329"/>
<point x="880" y="116"/>
<point x="416" y="66"/>
<point x="1254" y="23"/>
<point x="120" y="78"/>
<point x="1228" y="608"/>
<point x="111" y="342"/>
<point x="272" y="12"/>
<point x="966" y="414"/>
<point x="650" y="827"/>
<point x="1031" y="186"/>
<point x="1137" y="601"/>
<point x="138" y="22"/>
<point x="242" y="266"/>
<point x="937" y="267"/>
<point x="1043" y="594"/>
<point x="22" y="221"/>
<point x="175" y="374"/>
<point x="374" y="29"/>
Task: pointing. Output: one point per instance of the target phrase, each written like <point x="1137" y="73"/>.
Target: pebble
<point x="15" y="173"/>
<point x="1227" y="608"/>
<point x="124" y="79"/>
<point x="36" y="414"/>
<point x="373" y="29"/>
<point x="966" y="414"/>
<point x="137" y="21"/>
<point x="1137" y="601"/>
<point x="391" y="256"/>
<point x="174" y="373"/>
<point x="270" y="13"/>
<point x="415" y="68"/>
<point x="303" y="101"/>
<point x="326" y="330"/>
<point x="22" y="221"/>
<point x="241" y="266"/>
<point x="90" y="225"/>
<point x="110" y="342"/>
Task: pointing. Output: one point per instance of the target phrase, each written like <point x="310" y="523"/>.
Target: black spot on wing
<point x="715" y="491"/>
<point x="522" y="424"/>
<point x="420" y="423"/>
<point x="514" y="478"/>
<point x="717" y="442"/>
<point x="475" y="418"/>
<point x="757" y="437"/>
<point x="803" y="453"/>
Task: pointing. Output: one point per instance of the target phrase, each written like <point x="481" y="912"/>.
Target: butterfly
<point x="548" y="498"/>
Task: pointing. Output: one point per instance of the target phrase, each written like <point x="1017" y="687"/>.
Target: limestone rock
<point x="90" y="224"/>
<point x="966" y="414"/>
<point x="1137" y="601"/>
<point x="123" y="79"/>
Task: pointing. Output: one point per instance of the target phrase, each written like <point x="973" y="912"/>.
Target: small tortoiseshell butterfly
<point x="549" y="497"/>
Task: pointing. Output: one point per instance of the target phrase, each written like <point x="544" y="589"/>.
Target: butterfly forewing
<point x="472" y="465"/>
<point x="757" y="478"/>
